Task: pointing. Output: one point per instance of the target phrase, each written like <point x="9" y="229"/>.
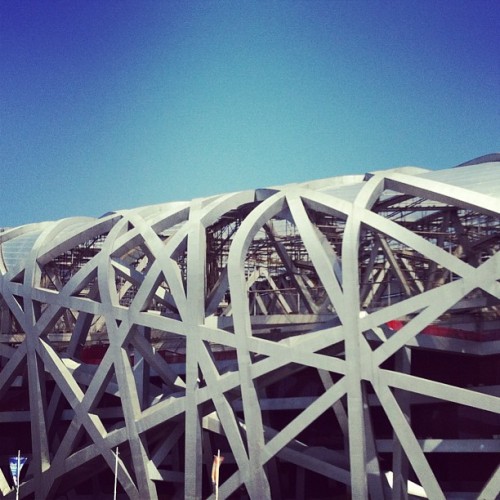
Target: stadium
<point x="337" y="338"/>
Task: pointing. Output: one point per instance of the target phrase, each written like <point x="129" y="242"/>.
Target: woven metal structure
<point x="337" y="338"/>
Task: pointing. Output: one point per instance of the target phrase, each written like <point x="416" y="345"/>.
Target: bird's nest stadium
<point x="337" y="338"/>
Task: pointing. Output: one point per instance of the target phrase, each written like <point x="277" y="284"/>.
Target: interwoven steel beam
<point x="281" y="326"/>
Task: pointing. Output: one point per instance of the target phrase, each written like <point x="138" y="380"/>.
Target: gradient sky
<point x="116" y="104"/>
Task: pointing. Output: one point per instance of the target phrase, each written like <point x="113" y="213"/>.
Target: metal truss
<point x="339" y="334"/>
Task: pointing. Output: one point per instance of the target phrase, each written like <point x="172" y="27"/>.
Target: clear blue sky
<point x="110" y="104"/>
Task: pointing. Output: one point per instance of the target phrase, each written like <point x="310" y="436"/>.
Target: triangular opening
<point x="155" y="377"/>
<point x="19" y="301"/>
<point x="391" y="271"/>
<point x="56" y="272"/>
<point x="159" y="298"/>
<point x="18" y="278"/>
<point x="285" y="292"/>
<point x="330" y="225"/>
<point x="219" y="237"/>
<point x="389" y="465"/>
<point x="88" y="287"/>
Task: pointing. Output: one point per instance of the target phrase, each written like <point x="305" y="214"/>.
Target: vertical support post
<point x="193" y="441"/>
<point x="195" y="302"/>
<point x="17" y="473"/>
<point x="399" y="460"/>
<point x="359" y="361"/>
<point x="350" y="318"/>
<point x="142" y="370"/>
<point x="116" y="473"/>
<point x="217" y="476"/>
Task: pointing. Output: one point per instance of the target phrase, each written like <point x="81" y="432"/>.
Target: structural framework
<point x="336" y="338"/>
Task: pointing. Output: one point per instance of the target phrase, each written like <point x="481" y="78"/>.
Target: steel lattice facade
<point x="337" y="338"/>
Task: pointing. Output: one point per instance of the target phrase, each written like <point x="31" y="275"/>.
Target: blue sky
<point x="116" y="104"/>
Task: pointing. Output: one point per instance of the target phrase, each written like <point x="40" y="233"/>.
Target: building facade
<point x="338" y="338"/>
